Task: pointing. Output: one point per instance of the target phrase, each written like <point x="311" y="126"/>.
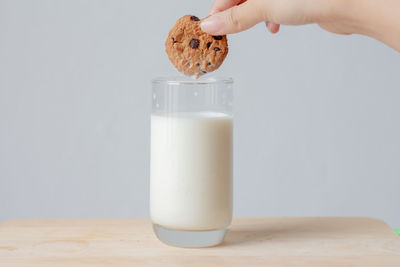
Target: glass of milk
<point x="191" y="160"/>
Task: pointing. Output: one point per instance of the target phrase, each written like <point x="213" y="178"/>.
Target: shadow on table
<point x="284" y="230"/>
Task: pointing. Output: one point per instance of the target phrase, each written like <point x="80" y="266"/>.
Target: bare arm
<point x="379" y="19"/>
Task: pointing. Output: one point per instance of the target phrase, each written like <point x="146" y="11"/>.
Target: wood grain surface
<point x="334" y="241"/>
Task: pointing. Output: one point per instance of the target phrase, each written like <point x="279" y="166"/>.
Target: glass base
<point x="189" y="239"/>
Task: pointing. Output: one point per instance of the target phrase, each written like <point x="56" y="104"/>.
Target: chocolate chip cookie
<point x="192" y="51"/>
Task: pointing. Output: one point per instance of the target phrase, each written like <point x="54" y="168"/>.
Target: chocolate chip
<point x="203" y="71"/>
<point x="218" y="37"/>
<point x="173" y="40"/>
<point x="216" y="49"/>
<point x="194" y="18"/>
<point x="198" y="64"/>
<point x="194" y="43"/>
<point x="209" y="44"/>
<point x="209" y="63"/>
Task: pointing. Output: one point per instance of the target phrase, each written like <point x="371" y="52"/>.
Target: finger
<point x="234" y="19"/>
<point x="221" y="5"/>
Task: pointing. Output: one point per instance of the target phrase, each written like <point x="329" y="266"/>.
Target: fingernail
<point x="211" y="25"/>
<point x="274" y="28"/>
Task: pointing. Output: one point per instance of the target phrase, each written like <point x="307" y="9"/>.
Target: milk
<point x="191" y="170"/>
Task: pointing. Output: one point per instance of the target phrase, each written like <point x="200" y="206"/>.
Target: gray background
<point x="316" y="127"/>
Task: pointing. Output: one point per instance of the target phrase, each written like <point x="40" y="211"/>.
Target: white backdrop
<point x="316" y="114"/>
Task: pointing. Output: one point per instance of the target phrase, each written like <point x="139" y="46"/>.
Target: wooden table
<point x="251" y="242"/>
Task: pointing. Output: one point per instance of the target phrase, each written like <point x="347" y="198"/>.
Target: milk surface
<point x="191" y="170"/>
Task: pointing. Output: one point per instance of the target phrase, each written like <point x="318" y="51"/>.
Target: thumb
<point x="233" y="20"/>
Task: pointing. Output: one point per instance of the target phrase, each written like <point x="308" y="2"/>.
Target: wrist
<point x="378" y="19"/>
<point x="343" y="16"/>
<point x="359" y="15"/>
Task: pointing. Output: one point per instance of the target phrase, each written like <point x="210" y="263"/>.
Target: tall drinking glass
<point x="191" y="160"/>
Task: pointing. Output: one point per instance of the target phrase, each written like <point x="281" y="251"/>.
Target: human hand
<point x="378" y="19"/>
<point x="232" y="16"/>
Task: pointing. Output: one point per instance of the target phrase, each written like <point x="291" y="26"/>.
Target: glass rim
<point x="175" y="80"/>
